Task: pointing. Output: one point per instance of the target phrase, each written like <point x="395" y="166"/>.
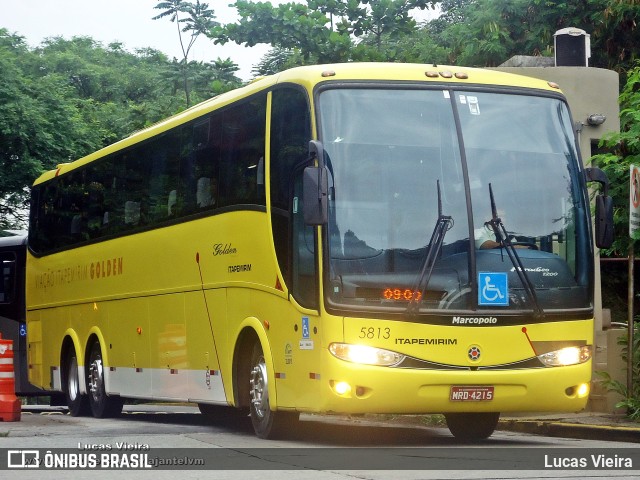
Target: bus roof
<point x="312" y="75"/>
<point x="315" y="74"/>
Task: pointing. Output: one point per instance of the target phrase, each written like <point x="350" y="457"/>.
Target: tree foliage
<point x="486" y="32"/>
<point x="624" y="151"/>
<point x="322" y="31"/>
<point x="467" y="32"/>
<point x="192" y="19"/>
<point x="67" y="98"/>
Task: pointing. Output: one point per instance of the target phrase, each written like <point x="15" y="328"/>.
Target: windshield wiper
<point x="502" y="237"/>
<point x="443" y="224"/>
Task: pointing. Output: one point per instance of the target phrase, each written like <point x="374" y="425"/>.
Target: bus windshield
<point x="405" y="163"/>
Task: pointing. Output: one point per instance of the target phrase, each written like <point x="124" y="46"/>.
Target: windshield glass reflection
<point x="388" y="150"/>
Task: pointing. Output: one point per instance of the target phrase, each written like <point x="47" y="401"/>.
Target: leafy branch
<point x="190" y="18"/>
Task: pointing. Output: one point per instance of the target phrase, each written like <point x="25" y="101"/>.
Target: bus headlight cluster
<point x="364" y="354"/>
<point x="566" y="356"/>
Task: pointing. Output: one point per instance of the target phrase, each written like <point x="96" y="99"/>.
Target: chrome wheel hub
<point x="95" y="378"/>
<point x="259" y="392"/>
<point x="73" y="386"/>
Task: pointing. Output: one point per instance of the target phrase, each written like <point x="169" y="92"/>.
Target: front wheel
<point x="267" y="423"/>
<point x="472" y="426"/>
<point x="102" y="405"/>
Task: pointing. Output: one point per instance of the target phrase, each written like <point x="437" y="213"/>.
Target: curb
<point x="572" y="430"/>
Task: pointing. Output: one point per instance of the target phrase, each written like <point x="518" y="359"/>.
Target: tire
<point x="267" y="423"/>
<point x="102" y="405"/>
<point x="472" y="427"/>
<point x="77" y="403"/>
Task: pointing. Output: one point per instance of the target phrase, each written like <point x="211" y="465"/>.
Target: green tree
<point x="625" y="151"/>
<point x="321" y="31"/>
<point x="419" y="47"/>
<point x="377" y="19"/>
<point x="192" y="19"/>
<point x="67" y="98"/>
<point x="617" y="45"/>
<point x="224" y="76"/>
<point x="17" y="165"/>
<point x="335" y="9"/>
<point x="487" y="33"/>
<point x="471" y="32"/>
<point x="290" y="26"/>
<point x="276" y="60"/>
<point x="41" y="125"/>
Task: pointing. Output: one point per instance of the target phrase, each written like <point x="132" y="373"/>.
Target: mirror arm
<point x="594" y="174"/>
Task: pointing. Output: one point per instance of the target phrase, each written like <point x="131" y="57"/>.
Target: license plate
<point x="471" y="394"/>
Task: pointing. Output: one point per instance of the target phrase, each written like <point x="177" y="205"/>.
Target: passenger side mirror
<point x="604" y="208"/>
<point x="604" y="221"/>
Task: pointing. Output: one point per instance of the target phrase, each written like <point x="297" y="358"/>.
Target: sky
<point x="126" y="21"/>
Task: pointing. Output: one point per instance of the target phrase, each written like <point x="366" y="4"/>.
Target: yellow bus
<point x="317" y="242"/>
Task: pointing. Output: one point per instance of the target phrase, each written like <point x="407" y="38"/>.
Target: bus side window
<point x="303" y="248"/>
<point x="205" y="161"/>
<point x="290" y="135"/>
<point x="242" y="147"/>
<point x="162" y="157"/>
<point x="45" y="217"/>
<point x="207" y="172"/>
<point x="7" y="277"/>
<point x="115" y="193"/>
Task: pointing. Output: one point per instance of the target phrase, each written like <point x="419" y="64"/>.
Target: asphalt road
<point x="322" y="447"/>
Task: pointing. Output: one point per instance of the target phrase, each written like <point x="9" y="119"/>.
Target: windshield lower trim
<point x="464" y="318"/>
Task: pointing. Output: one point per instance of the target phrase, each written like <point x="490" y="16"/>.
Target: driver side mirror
<point x="315" y="187"/>
<point x="604" y="208"/>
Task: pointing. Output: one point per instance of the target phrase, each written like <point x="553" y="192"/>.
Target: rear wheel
<point x="78" y="404"/>
<point x="102" y="405"/>
<point x="267" y="423"/>
<point x="472" y="426"/>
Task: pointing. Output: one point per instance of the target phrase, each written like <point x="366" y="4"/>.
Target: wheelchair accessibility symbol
<point x="492" y="289"/>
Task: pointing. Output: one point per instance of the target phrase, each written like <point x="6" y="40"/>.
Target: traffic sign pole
<point x="634" y="224"/>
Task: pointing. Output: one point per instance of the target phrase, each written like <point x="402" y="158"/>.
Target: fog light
<point x="583" y="389"/>
<point x="341" y="388"/>
<point x="579" y="391"/>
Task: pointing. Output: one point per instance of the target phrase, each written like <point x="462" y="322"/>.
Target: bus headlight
<point x="566" y="356"/>
<point x="365" y="355"/>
